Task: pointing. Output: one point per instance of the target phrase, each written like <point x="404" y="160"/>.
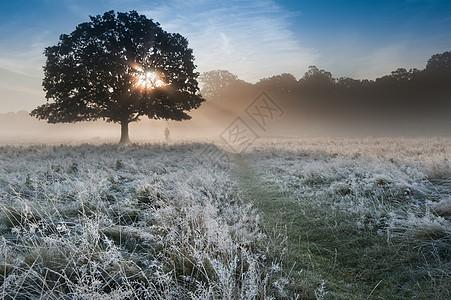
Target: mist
<point x="406" y="102"/>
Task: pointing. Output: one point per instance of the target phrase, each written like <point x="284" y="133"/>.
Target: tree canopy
<point x="215" y="83"/>
<point x="441" y="62"/>
<point x="119" y="67"/>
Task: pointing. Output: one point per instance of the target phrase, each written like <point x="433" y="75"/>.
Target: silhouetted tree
<point x="285" y="83"/>
<point x="402" y="75"/>
<point x="440" y="62"/>
<point x="119" y="67"/>
<point x="318" y="89"/>
<point x="315" y="74"/>
<point x="436" y="81"/>
<point x="317" y="82"/>
<point x="350" y="92"/>
<point x="348" y="83"/>
<point x="215" y="83"/>
<point x="437" y="74"/>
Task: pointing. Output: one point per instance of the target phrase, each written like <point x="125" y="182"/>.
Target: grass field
<point x="293" y="218"/>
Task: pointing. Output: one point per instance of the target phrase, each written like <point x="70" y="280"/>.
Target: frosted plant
<point x="321" y="291"/>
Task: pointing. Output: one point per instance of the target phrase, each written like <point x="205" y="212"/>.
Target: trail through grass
<point x="327" y="256"/>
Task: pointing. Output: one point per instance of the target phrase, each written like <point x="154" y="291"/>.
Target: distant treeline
<point x="403" y="94"/>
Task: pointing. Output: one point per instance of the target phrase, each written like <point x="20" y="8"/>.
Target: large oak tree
<point x="119" y="67"/>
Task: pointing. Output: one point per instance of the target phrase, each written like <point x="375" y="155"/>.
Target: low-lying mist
<point x="406" y="102"/>
<point x="212" y="121"/>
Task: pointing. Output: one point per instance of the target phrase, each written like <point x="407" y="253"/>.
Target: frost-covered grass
<point x="306" y="218"/>
<point x="360" y="214"/>
<point x="145" y="221"/>
<point x="402" y="183"/>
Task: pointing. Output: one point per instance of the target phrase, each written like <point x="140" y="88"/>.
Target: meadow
<point x="290" y="218"/>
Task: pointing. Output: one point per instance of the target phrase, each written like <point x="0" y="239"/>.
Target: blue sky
<point x="252" y="39"/>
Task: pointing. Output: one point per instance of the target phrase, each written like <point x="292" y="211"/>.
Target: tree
<point x="437" y="74"/>
<point x="215" y="83"/>
<point x="436" y="81"/>
<point x="402" y="75"/>
<point x="119" y="67"/>
<point x="348" y="83"/>
<point x="440" y="62"/>
<point x="285" y="83"/>
<point x="315" y="74"/>
<point x="318" y="84"/>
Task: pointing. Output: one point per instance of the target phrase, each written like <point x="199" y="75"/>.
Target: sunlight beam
<point x="146" y="80"/>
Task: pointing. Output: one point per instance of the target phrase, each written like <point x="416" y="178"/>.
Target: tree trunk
<point x="124" y="133"/>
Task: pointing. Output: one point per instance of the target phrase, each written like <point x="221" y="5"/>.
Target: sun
<point x="147" y="79"/>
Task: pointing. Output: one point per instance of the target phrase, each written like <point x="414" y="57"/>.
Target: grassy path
<point x="283" y="221"/>
<point x="324" y="253"/>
